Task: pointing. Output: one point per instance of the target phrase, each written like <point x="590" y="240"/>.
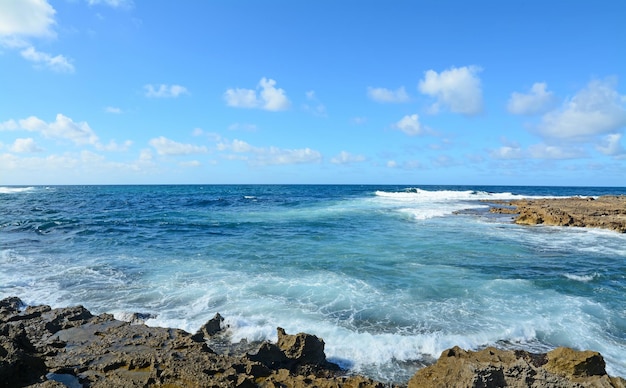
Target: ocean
<point x="388" y="276"/>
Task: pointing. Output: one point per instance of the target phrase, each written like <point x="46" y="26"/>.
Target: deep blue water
<point x="389" y="276"/>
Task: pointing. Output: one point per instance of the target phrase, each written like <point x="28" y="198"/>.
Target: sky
<point x="313" y="92"/>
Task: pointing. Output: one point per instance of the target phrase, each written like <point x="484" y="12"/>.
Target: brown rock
<point x="607" y="212"/>
<point x="573" y="364"/>
<point x="493" y="367"/>
<point x="302" y="347"/>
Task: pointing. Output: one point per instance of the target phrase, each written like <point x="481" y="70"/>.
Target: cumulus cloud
<point x="545" y="151"/>
<point x="507" y="152"/>
<point x="164" y="91"/>
<point x="266" y="97"/>
<point x="457" y="89"/>
<point x="596" y="110"/>
<point x="80" y="133"/>
<point x="57" y="63"/>
<point x="611" y="145"/>
<point x="410" y="125"/>
<point x="388" y="96"/>
<point x="537" y="101"/>
<point x="165" y="146"/>
<point x="345" y="157"/>
<point x="26" y="145"/>
<point x="263" y="156"/>
<point x="26" y="18"/>
<point x="113" y="146"/>
<point x="63" y="128"/>
<point x="9" y="125"/>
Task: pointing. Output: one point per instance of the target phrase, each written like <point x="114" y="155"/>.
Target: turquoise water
<point x="388" y="276"/>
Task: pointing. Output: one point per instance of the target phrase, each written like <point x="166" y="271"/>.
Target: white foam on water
<point x="425" y="204"/>
<point x="15" y="190"/>
<point x="582" y="278"/>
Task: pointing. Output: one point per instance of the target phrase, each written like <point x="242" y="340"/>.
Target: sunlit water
<point x="388" y="276"/>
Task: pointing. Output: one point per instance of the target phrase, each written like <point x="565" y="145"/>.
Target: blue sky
<point x="406" y="92"/>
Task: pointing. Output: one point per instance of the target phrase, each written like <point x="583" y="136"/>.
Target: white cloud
<point x="190" y="163"/>
<point x="508" y="152"/>
<point x="596" y="110"/>
<point x="392" y="164"/>
<point x="22" y="19"/>
<point x="63" y="127"/>
<point x="165" y="146"/>
<point x="26" y="18"/>
<point x="545" y="151"/>
<point x="537" y="101"/>
<point x="164" y="91"/>
<point x="9" y="125"/>
<point x="113" y="146"/>
<point x="266" y="97"/>
<point x="113" y="109"/>
<point x="611" y="145"/>
<point x="410" y="125"/>
<point x="57" y="63"/>
<point x="457" y="89"/>
<point x="242" y="127"/>
<point x="112" y="3"/>
<point x="315" y="106"/>
<point x="26" y="145"/>
<point x="345" y="157"/>
<point x="387" y="95"/>
<point x="263" y="156"/>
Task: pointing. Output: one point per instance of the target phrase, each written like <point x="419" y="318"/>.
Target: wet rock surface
<point x="70" y="347"/>
<point x="607" y="212"/>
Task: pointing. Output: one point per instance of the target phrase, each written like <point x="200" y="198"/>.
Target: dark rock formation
<point x="607" y="212"/>
<point x="44" y="347"/>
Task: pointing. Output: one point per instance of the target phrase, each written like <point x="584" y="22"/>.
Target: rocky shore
<point x="70" y="347"/>
<point x="607" y="212"/>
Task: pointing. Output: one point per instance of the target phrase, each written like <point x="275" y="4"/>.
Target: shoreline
<point x="70" y="347"/>
<point x="605" y="212"/>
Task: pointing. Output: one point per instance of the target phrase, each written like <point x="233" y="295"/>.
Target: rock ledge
<point x="44" y="347"/>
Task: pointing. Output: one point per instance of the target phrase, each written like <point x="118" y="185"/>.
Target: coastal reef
<point x="607" y="212"/>
<point x="70" y="347"/>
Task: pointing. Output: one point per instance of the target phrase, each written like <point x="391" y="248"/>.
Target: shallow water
<point x="388" y="276"/>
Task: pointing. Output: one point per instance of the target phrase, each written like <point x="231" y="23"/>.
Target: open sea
<point x="388" y="276"/>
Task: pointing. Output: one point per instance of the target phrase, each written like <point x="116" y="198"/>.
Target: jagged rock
<point x="303" y="348"/>
<point x="210" y="328"/>
<point x="39" y="344"/>
<point x="19" y="366"/>
<point x="493" y="367"/>
<point x="573" y="364"/>
<point x="607" y="212"/>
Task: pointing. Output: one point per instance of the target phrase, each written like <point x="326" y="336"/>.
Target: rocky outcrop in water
<point x="44" y="347"/>
<point x="607" y="212"/>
